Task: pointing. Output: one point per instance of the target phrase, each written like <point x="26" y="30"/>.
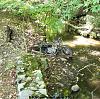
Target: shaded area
<point x="85" y="67"/>
<point x="60" y="74"/>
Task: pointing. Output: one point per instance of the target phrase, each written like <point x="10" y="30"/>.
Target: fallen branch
<point x="85" y="67"/>
<point x="76" y="27"/>
<point x="92" y="93"/>
<point x="97" y="29"/>
<point x="37" y="52"/>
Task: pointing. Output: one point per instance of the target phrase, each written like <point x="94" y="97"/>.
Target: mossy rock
<point x="93" y="35"/>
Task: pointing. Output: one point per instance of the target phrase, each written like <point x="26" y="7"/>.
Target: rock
<point x="1" y="61"/>
<point x="28" y="78"/>
<point x="51" y="50"/>
<point x="67" y="51"/>
<point x="75" y="88"/>
<point x="20" y="69"/>
<point x="43" y="91"/>
<point x="24" y="94"/>
<point x="20" y="86"/>
<point x="20" y="77"/>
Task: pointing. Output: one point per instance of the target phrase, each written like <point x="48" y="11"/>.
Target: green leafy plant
<point x="50" y="15"/>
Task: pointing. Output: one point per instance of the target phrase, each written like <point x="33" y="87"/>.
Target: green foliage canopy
<point x="51" y="14"/>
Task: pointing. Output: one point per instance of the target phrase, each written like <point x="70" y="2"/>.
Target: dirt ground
<point x="10" y="51"/>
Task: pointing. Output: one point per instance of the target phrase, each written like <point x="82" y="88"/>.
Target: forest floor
<point x="80" y="40"/>
<point x="86" y="52"/>
<point x="9" y="52"/>
<point x="7" y="77"/>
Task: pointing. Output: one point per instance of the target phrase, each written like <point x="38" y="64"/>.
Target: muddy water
<point x="83" y="69"/>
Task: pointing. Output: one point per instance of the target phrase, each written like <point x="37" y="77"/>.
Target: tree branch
<point x="86" y="67"/>
<point x="76" y="27"/>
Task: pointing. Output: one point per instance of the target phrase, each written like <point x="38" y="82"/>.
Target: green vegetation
<point x="40" y="19"/>
<point x="50" y="15"/>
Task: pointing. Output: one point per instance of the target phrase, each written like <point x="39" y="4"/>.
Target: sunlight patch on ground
<point x="99" y="59"/>
<point x="96" y="53"/>
<point x="83" y="58"/>
<point x="79" y="40"/>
